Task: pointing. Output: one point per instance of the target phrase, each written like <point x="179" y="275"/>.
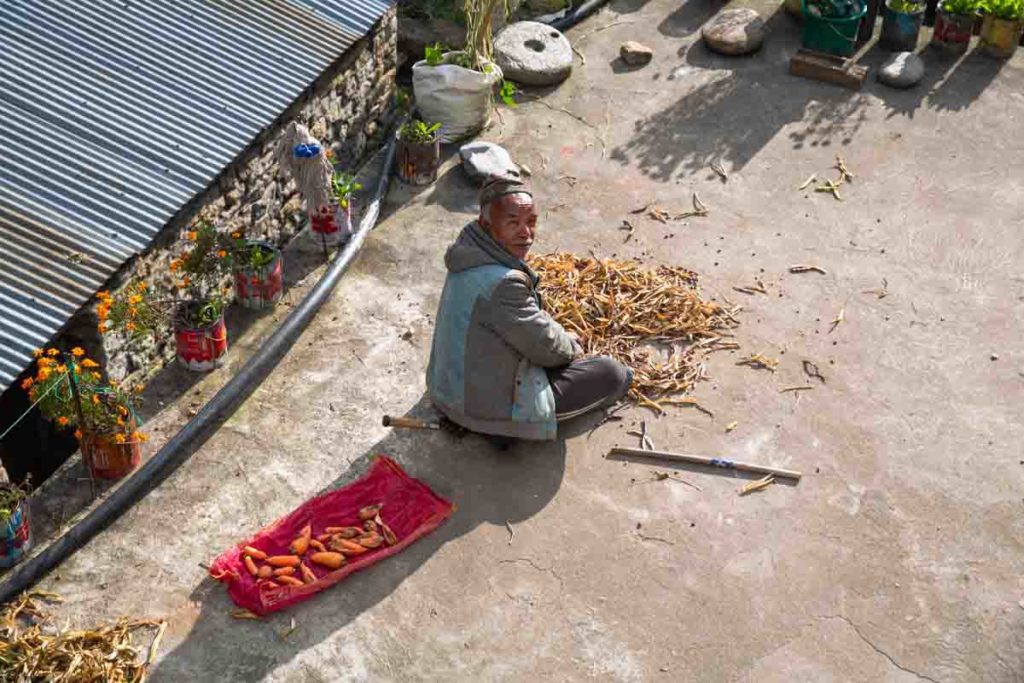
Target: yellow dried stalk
<point x="31" y="649"/>
<point x="619" y="307"/>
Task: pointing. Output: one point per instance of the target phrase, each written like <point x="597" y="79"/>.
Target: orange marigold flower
<point x="190" y="235"/>
<point x="96" y="399"/>
<point x="143" y="286"/>
<point x="101" y="328"/>
<point x="103" y="296"/>
<point x="221" y="253"/>
<point x="140" y="437"/>
<point x="132" y="311"/>
<point x="89" y="363"/>
<point x="139" y="388"/>
<point x="135" y="299"/>
<point x="120" y="422"/>
<point x="27" y="383"/>
<point x="63" y="421"/>
<point x="175" y="265"/>
<point x="45" y="362"/>
<point x="96" y="377"/>
<point x="78" y="434"/>
<point x="122" y="410"/>
<point x="130" y="326"/>
<point x="43" y="374"/>
<point x="113" y="383"/>
<point x="78" y="352"/>
<point x="236" y="235"/>
<point x="52" y="352"/>
<point x="37" y="353"/>
<point x="61" y="369"/>
<point x="119" y="438"/>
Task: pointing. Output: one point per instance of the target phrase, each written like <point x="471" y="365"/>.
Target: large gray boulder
<point x="734" y="31"/>
<point x="902" y="70"/>
<point x="532" y="53"/>
<point x="482" y="160"/>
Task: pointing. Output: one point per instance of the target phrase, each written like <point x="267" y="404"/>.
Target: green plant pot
<point x="835" y="36"/>
<point x="900" y="29"/>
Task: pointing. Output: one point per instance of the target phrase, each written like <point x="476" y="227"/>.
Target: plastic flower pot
<point x="202" y="348"/>
<point x="259" y="288"/>
<point x="832" y="35"/>
<point x="953" y="31"/>
<point x="15" y="536"/>
<point x="1000" y="37"/>
<point x="900" y="29"/>
<point x="108" y="459"/>
<point x="331" y="223"/>
<point x="417" y="163"/>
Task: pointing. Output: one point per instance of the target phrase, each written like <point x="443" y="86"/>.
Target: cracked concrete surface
<point x="898" y="557"/>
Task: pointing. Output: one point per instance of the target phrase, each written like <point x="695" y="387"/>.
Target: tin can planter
<point x="331" y="223"/>
<point x="202" y="348"/>
<point x="259" y="288"/>
<point x="953" y="31"/>
<point x="106" y="458"/>
<point x="1000" y="37"/>
<point x="15" y="536"/>
<point x="900" y="29"/>
<point x="418" y="162"/>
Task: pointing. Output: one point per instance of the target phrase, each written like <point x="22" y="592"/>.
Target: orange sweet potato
<point x="284" y="571"/>
<point x="290" y="581"/>
<point x="250" y="565"/>
<point x="283" y="561"/>
<point x="317" y="545"/>
<point x="301" y="543"/>
<point x="347" y="547"/>
<point x="343" y="531"/>
<point x="265" y="572"/>
<point x="307" y="574"/>
<point x="331" y="560"/>
<point x="254" y="553"/>
<point x="370" y="540"/>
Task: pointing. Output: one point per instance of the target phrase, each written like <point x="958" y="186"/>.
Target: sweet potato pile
<point x="328" y="550"/>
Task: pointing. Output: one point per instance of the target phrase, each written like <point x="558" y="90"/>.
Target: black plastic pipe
<point x="578" y="14"/>
<point x="194" y="434"/>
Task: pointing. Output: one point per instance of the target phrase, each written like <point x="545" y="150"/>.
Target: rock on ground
<point x="734" y="32"/>
<point x="482" y="160"/>
<point x="902" y="70"/>
<point x="533" y="53"/>
<point x="635" y="54"/>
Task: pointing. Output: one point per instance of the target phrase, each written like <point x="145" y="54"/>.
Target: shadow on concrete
<point x="690" y="16"/>
<point x="487" y="486"/>
<point x="737" y="109"/>
<point x="972" y="75"/>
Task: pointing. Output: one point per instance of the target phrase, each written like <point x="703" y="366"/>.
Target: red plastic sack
<point x="411" y="509"/>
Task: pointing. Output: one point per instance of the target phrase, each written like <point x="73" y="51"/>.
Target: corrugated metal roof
<point x="114" y="114"/>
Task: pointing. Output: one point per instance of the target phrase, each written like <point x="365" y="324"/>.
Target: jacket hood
<point x="474" y="247"/>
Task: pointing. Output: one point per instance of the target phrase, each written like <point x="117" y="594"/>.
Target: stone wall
<point x="349" y="106"/>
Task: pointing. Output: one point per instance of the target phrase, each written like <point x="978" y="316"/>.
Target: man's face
<point x="513" y="223"/>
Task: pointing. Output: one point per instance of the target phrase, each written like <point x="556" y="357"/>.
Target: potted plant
<point x="102" y="414"/>
<point x="15" y="531"/>
<point x="901" y="24"/>
<point x="831" y="26"/>
<point x="258" y="271"/>
<point x="1001" y="26"/>
<point x="954" y="24"/>
<point x="418" y="152"/>
<point x="196" y="313"/>
<point x="343" y="186"/>
<point x="456" y="88"/>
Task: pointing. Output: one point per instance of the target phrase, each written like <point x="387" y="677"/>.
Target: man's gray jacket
<point x="492" y="341"/>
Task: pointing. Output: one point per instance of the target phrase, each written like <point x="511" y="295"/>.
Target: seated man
<point x="500" y="364"/>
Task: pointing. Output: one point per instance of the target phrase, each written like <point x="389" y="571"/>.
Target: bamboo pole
<point x="705" y="460"/>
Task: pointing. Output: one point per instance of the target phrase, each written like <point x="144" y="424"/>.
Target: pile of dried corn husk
<point x="31" y="649"/>
<point x="622" y="309"/>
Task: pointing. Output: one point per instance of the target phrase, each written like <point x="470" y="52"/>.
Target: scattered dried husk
<point x="33" y="649"/>
<point x="621" y="309"/>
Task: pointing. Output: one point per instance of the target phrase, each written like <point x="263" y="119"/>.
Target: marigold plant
<point x="107" y="408"/>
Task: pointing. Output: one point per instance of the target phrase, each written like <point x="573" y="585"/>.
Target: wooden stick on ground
<point x="705" y="460"/>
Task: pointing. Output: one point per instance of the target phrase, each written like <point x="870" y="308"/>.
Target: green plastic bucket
<point x="833" y="36"/>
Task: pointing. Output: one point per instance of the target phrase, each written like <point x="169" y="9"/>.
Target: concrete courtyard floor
<point x="898" y="557"/>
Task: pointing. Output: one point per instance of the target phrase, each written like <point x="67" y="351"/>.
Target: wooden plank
<point x="828" y="68"/>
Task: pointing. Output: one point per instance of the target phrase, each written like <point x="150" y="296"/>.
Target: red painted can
<point x="323" y="220"/>
<point x="106" y="458"/>
<point x="202" y="349"/>
<point x="263" y="287"/>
